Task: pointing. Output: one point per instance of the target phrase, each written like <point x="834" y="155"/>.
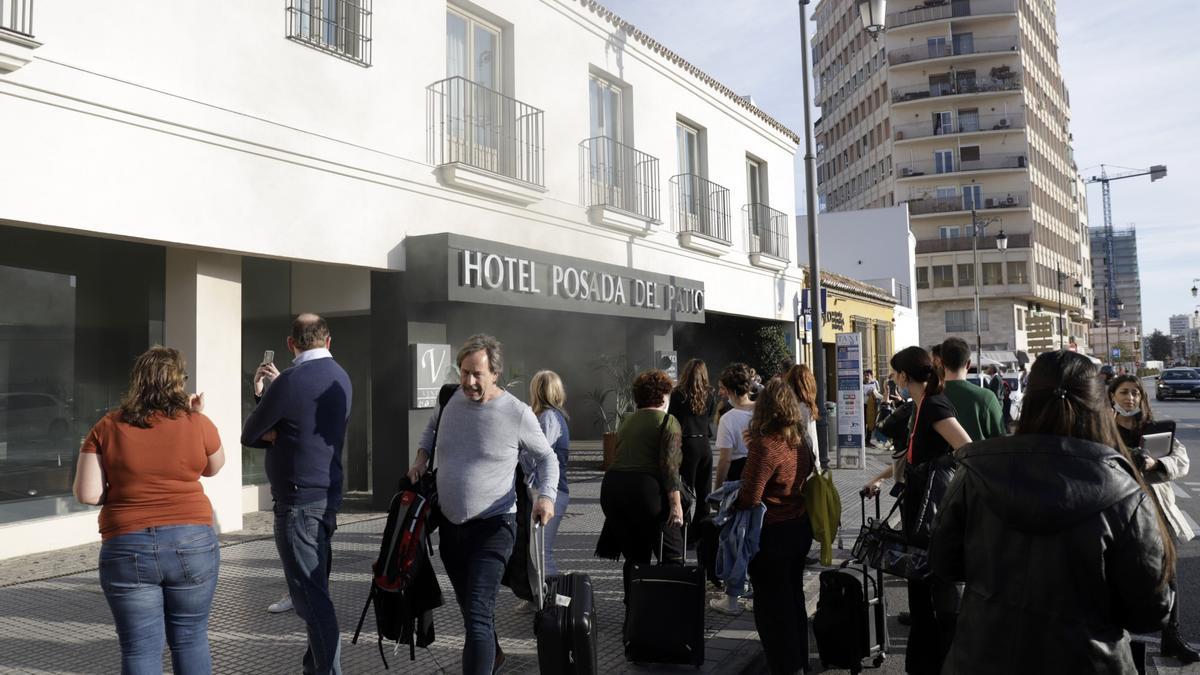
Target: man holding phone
<point x="301" y="420"/>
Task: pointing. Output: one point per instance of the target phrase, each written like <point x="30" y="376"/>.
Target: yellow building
<point x="852" y="306"/>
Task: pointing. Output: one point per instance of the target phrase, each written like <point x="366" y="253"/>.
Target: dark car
<point x="1178" y="382"/>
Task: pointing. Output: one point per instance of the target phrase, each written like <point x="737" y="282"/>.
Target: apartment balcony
<point x="767" y="229"/>
<point x="16" y="34"/>
<point x="965" y="124"/>
<point x="619" y="184"/>
<point x="986" y="243"/>
<point x="955" y="48"/>
<point x="940" y="206"/>
<point x="701" y="214"/>
<point x="950" y="164"/>
<point x="939" y="10"/>
<point x="974" y="85"/>
<point x="483" y="141"/>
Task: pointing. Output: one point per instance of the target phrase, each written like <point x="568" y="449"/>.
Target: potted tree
<point x="617" y="374"/>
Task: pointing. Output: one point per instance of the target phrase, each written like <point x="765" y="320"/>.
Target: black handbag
<point x="884" y="547"/>
<point x="928" y="483"/>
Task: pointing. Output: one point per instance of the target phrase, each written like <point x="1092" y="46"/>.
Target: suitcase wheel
<point x="878" y="661"/>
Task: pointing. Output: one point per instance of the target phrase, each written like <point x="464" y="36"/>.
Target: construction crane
<point x="1155" y="172"/>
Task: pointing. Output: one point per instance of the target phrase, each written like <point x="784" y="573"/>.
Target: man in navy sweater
<point x="301" y="421"/>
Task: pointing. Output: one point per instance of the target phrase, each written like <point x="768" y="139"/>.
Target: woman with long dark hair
<point x="934" y="435"/>
<point x="693" y="404"/>
<point x="1060" y="544"/>
<point x="777" y="466"/>
<point x="1131" y="411"/>
<point x="159" y="557"/>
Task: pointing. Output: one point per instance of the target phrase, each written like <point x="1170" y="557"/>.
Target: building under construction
<point x="1124" y="285"/>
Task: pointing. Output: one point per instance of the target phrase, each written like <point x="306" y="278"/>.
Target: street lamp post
<point x="814" y="261"/>
<point x="1001" y="245"/>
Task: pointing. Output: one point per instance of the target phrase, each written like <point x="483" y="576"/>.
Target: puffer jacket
<point x="1061" y="554"/>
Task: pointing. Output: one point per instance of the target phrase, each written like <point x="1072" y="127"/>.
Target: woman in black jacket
<point x="694" y="404"/>
<point x="1061" y="547"/>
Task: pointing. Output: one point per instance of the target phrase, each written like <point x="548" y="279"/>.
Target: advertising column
<point x="851" y="417"/>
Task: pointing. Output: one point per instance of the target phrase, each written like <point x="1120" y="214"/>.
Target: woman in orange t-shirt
<point x="159" y="559"/>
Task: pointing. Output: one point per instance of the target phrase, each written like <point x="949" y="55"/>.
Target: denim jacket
<point x="740" y="530"/>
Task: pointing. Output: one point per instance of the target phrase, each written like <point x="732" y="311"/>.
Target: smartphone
<point x="268" y="357"/>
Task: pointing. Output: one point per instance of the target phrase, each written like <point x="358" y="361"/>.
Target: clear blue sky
<point x="1133" y="70"/>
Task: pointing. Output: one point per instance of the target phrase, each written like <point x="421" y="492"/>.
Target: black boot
<point x="1173" y="645"/>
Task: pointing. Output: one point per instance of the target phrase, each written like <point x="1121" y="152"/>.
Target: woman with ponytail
<point x="1062" y="548"/>
<point x="934" y="433"/>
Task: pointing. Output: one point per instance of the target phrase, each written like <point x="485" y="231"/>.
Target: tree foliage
<point x="1160" y="346"/>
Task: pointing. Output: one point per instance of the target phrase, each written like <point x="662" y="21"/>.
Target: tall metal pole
<point x="978" y="333"/>
<point x="814" y="266"/>
<point x="1107" y="344"/>
<point x="1062" y="320"/>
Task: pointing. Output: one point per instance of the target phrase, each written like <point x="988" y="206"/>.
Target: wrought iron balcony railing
<point x="966" y="85"/>
<point x="476" y="126"/>
<point x="934" y="10"/>
<point x="701" y="207"/>
<point x="619" y="176"/>
<point x="768" y="231"/>
<point x="340" y="27"/>
<point x="923" y="206"/>
<point x="965" y="124"/>
<point x="982" y="45"/>
<point x="17" y="16"/>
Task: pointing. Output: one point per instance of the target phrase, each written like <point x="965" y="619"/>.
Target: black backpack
<point x="404" y="588"/>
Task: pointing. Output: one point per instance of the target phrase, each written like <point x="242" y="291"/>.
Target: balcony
<point x="965" y="124"/>
<point x="987" y="243"/>
<point x="926" y="206"/>
<point x="951" y="164"/>
<point x="982" y="45"/>
<point x="701" y="214"/>
<point x="936" y="10"/>
<point x="768" y="236"/>
<point x="619" y="184"/>
<point x="973" y="85"/>
<point x="16" y="34"/>
<point x="484" y="141"/>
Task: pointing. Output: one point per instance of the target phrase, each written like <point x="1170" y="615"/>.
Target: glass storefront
<point x="75" y="312"/>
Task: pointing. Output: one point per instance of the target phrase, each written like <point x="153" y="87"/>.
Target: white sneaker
<point x="726" y="604"/>
<point x="283" y="605"/>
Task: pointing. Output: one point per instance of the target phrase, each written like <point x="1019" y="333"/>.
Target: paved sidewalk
<point x="55" y="619"/>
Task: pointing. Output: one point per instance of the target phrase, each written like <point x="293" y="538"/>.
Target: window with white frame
<point x="949" y="231"/>
<point x="963" y="320"/>
<point x="943" y="276"/>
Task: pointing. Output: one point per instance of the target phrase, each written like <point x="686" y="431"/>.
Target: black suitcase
<point x="851" y="619"/>
<point x="664" y="617"/>
<point x="565" y="624"/>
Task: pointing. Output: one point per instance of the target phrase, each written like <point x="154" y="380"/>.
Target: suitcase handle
<point x="539" y="545"/>
<point x="662" y="537"/>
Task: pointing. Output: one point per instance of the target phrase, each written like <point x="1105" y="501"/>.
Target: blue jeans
<point x="560" y="509"/>
<point x="159" y="582"/>
<point x="303" y="536"/>
<point x="475" y="554"/>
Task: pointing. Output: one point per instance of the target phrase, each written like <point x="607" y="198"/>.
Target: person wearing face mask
<point x="1132" y="413"/>
<point x="933" y="434"/>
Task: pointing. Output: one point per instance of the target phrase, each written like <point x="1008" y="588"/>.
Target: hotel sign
<point x="454" y="268"/>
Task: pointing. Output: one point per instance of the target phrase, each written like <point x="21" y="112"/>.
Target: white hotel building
<point x="195" y="174"/>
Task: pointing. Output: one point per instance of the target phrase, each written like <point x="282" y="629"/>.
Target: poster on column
<point x="851" y="418"/>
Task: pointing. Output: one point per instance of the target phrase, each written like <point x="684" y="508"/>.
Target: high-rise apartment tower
<point x="960" y="108"/>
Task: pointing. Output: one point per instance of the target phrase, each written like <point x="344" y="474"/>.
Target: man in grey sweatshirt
<point x="483" y="435"/>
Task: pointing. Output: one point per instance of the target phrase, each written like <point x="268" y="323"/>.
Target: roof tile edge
<point x="654" y="45"/>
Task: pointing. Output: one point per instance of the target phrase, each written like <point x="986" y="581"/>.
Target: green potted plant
<point x="617" y="379"/>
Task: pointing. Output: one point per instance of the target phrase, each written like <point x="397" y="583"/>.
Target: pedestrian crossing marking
<point x="1179" y="492"/>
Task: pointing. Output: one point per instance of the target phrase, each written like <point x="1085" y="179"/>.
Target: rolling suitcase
<point x="851" y="619"/>
<point x="664" y="618"/>
<point x="565" y="624"/>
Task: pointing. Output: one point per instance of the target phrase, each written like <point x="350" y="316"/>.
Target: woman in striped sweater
<point x="776" y="467"/>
